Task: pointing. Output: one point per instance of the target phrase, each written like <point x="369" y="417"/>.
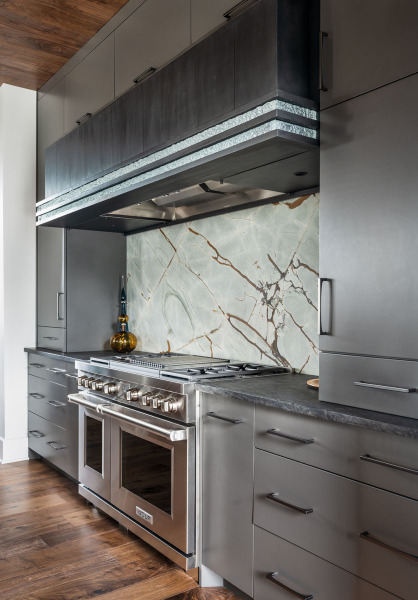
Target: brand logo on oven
<point x="144" y="515"/>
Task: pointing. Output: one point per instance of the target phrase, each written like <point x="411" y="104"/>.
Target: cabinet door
<point x="51" y="277"/>
<point x="368" y="242"/>
<point x="369" y="44"/>
<point x="216" y="74"/>
<point x="152" y="36"/>
<point x="171" y="100"/>
<point x="50" y="116"/>
<point x="90" y="85"/>
<point x="227" y="470"/>
<point x="208" y="15"/>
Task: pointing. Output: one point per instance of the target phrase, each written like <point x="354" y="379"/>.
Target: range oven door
<point x="153" y="474"/>
<point x="93" y="446"/>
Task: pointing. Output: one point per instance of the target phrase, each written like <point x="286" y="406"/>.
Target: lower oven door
<point x="94" y="451"/>
<point x="153" y="475"/>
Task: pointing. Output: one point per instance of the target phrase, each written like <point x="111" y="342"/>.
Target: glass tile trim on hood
<point x="207" y="134"/>
<point x="65" y="204"/>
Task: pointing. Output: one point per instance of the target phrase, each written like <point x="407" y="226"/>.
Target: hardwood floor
<point x="54" y="546"/>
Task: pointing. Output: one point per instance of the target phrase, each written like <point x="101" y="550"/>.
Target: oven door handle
<point x="174" y="435"/>
<point x="82" y="401"/>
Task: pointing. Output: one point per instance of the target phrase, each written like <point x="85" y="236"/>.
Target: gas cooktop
<point x="186" y="366"/>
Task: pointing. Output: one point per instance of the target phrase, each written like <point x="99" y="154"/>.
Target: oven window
<point x="94" y="444"/>
<point x="146" y="470"/>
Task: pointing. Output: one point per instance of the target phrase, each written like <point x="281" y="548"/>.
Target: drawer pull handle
<point x="389" y="388"/>
<point x="36" y="433"/>
<point x="71" y="376"/>
<point x="290" y="437"/>
<point x="272" y="577"/>
<point x="56" y="370"/>
<point x="49" y="337"/>
<point x="55" y="404"/>
<point x="83" y="118"/>
<point x="144" y="75"/>
<point x="368" y="458"/>
<point x="36" y="365"/>
<point x="228" y="13"/>
<point x="227" y="419"/>
<point x="56" y="446"/>
<point x="366" y="536"/>
<point x="275" y="497"/>
<point x="36" y="395"/>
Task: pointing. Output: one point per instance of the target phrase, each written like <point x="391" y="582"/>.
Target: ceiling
<point x="37" y="37"/>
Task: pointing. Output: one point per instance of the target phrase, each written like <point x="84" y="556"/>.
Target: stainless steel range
<point x="138" y="432"/>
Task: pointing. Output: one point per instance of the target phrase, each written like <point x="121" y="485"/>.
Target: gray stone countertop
<point x="290" y="393"/>
<point x="69" y="356"/>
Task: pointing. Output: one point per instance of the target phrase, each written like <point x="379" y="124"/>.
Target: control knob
<point x="146" y="399"/>
<point x="110" y="388"/>
<point x="86" y="381"/>
<point x="97" y="385"/>
<point x="133" y="394"/>
<point x="171" y="405"/>
<point x="158" y="400"/>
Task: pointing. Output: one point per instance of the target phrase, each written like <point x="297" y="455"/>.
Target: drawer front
<point x="304" y="574"/>
<point x="326" y="515"/>
<point x="342" y="449"/>
<point x="48" y="400"/>
<point x="52" y="338"/>
<point x="384" y="385"/>
<point x="52" y="369"/>
<point x="48" y="440"/>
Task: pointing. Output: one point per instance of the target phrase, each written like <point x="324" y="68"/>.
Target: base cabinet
<point x="227" y="455"/>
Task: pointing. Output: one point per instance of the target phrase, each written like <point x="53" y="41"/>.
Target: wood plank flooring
<point x="54" y="546"/>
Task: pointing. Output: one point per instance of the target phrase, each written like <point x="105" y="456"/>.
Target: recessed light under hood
<point x="200" y="199"/>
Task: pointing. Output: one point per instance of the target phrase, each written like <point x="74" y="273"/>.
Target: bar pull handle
<point x="322" y="36"/>
<point x="227" y="419"/>
<point x="228" y="14"/>
<point x="384" y="463"/>
<point x="55" y="404"/>
<point x="49" y="337"/>
<point x="293" y="438"/>
<point x="321" y="330"/>
<point x="83" y="118"/>
<point x="272" y="577"/>
<point x="71" y="376"/>
<point x="275" y="497"/>
<point x="389" y="388"/>
<point x="56" y="446"/>
<point x="36" y="395"/>
<point x="59" y="318"/>
<point x="370" y="538"/>
<point x="55" y="370"/>
<point x="35" y="433"/>
<point x="36" y="365"/>
<point x="144" y="75"/>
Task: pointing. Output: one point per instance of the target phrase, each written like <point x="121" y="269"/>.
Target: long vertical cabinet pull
<point x="322" y="36"/>
<point x="59" y="318"/>
<point x="321" y="330"/>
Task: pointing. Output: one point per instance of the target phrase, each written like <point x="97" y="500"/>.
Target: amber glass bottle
<point x="123" y="341"/>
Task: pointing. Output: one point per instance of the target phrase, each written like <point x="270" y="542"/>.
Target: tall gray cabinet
<point x="78" y="287"/>
<point x="368" y="242"/>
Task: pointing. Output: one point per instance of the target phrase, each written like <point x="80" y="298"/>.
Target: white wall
<point x="17" y="263"/>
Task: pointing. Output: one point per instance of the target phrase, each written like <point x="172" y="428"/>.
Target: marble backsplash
<point x="241" y="285"/>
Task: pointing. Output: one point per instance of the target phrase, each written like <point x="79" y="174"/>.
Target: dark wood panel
<point x="56" y="547"/>
<point x="256" y="52"/>
<point x="216" y="74"/>
<point x="183" y="106"/>
<point x="156" y="108"/>
<point x="39" y="36"/>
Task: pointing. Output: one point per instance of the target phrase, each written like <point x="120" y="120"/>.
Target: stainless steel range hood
<point x="192" y="201"/>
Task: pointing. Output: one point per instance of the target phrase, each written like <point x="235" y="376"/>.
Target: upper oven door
<point x="153" y="475"/>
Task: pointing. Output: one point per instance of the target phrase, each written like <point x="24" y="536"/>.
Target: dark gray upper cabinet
<point x="90" y="85"/>
<point x="216" y="95"/>
<point x="275" y="50"/>
<point x="369" y="211"/>
<point x="170" y="100"/>
<point x="369" y="44"/>
<point x="50" y="128"/>
<point x="152" y="36"/>
<point x="206" y="16"/>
